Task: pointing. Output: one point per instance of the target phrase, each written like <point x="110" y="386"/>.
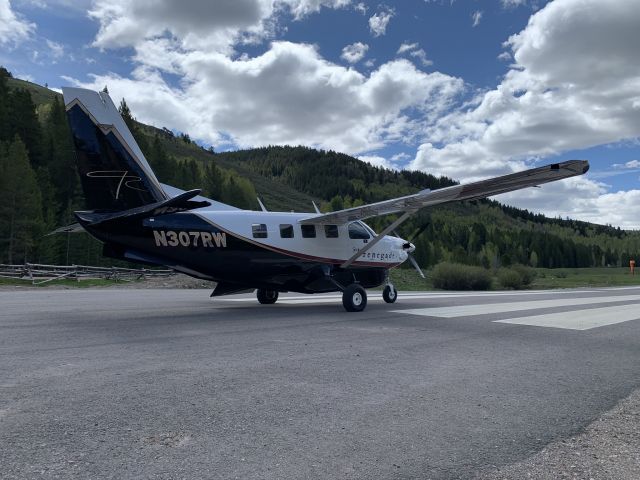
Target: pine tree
<point x="24" y="123"/>
<point x="20" y="203"/>
<point x="60" y="159"/>
<point x="4" y="106"/>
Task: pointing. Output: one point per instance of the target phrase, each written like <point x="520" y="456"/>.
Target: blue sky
<point x="464" y="88"/>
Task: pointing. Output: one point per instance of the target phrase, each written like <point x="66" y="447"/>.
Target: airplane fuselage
<point x="252" y="249"/>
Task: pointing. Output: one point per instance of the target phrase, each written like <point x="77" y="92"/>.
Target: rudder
<point x="114" y="174"/>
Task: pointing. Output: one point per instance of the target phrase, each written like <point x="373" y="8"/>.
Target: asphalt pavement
<point x="104" y="383"/>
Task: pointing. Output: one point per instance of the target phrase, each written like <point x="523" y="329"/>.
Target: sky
<point x="469" y="89"/>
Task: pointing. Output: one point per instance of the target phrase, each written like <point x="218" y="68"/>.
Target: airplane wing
<point x="472" y="191"/>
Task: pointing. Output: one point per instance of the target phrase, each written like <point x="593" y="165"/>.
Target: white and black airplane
<point x="141" y="220"/>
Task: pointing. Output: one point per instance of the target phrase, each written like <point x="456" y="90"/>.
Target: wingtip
<point x="585" y="167"/>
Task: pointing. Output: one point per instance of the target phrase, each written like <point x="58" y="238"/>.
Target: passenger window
<point x="286" y="231"/>
<point x="259" y="230"/>
<point x="308" y="231"/>
<point x="358" y="232"/>
<point x="331" y="231"/>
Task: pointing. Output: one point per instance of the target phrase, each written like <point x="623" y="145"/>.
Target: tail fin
<point x="114" y="174"/>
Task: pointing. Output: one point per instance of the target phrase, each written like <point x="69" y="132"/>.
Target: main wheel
<point x="267" y="297"/>
<point x="354" y="298"/>
<point x="390" y="294"/>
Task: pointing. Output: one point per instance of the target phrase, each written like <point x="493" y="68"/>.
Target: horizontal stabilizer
<point x="180" y="203"/>
<point x="73" y="228"/>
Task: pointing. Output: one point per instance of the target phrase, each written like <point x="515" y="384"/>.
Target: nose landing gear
<point x="390" y="294"/>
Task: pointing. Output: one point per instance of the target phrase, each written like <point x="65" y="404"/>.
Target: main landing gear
<point x="267" y="297"/>
<point x="354" y="298"/>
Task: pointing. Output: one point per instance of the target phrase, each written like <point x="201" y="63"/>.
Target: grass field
<point x="408" y="279"/>
<point x="584" y="277"/>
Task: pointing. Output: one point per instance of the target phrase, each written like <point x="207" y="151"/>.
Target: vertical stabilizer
<point x="113" y="171"/>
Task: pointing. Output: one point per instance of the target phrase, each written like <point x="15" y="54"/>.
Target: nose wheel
<point x="390" y="294"/>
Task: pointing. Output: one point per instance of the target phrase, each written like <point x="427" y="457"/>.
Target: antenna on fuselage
<point x="264" y="209"/>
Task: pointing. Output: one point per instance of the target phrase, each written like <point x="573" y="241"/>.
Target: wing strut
<point x="380" y="236"/>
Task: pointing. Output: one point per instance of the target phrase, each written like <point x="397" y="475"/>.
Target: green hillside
<point x="35" y="146"/>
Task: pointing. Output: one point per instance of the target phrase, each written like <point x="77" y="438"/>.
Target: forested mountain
<point x="39" y="190"/>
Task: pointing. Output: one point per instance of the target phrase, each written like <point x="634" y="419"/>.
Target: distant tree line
<point x="40" y="190"/>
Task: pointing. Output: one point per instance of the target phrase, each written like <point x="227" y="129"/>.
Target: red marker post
<point x="632" y="266"/>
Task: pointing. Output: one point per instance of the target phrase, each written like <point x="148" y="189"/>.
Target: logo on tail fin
<point x="125" y="178"/>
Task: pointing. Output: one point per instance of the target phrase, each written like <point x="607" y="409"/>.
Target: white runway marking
<point x="581" y="319"/>
<point x="374" y="296"/>
<point x="491" y="308"/>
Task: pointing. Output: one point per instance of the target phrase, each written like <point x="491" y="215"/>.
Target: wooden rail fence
<point x="38" y="273"/>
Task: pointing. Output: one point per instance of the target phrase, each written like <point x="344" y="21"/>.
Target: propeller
<point x="416" y="266"/>
<point x="413" y="261"/>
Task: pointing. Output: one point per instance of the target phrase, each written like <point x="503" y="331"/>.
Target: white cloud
<point x="355" y="52"/>
<point x="575" y="84"/>
<point x="13" y="29"/>
<point x="513" y="3"/>
<point x="414" y="50"/>
<point x="476" y="17"/>
<point x="505" y="56"/>
<point x="378" y="22"/>
<point x="199" y="24"/>
<point x="627" y="165"/>
<point x="580" y="199"/>
<point x="377" y="161"/>
<point x="406" y="47"/>
<point x="56" y="49"/>
<point x="421" y="55"/>
<point x="288" y="95"/>
<point x="360" y="7"/>
<point x="400" y="157"/>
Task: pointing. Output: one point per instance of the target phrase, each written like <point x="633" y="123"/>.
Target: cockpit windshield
<point x="358" y="231"/>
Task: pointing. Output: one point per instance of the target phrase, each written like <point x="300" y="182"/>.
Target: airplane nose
<point x="408" y="247"/>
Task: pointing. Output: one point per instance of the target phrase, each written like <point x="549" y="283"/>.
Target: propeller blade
<point x="415" y="265"/>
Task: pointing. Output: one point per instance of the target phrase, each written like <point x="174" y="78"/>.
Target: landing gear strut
<point x="267" y="297"/>
<point x="390" y="294"/>
<point x="354" y="298"/>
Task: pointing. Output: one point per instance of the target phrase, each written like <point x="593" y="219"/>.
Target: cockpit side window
<point x="357" y="231"/>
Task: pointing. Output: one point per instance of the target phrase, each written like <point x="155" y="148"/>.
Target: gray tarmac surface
<point x="173" y="384"/>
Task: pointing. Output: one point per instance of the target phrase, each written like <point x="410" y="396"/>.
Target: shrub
<point x="528" y="274"/>
<point x="510" y="278"/>
<point x="455" y="276"/>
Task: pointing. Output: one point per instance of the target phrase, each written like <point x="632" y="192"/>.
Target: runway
<point x="135" y="383"/>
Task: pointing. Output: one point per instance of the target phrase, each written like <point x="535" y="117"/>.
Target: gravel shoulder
<point x="609" y="448"/>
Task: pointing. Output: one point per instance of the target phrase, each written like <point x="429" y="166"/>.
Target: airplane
<point x="141" y="220"/>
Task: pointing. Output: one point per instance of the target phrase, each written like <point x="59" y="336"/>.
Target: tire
<point x="354" y="298"/>
<point x="267" y="297"/>
<point x="390" y="294"/>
